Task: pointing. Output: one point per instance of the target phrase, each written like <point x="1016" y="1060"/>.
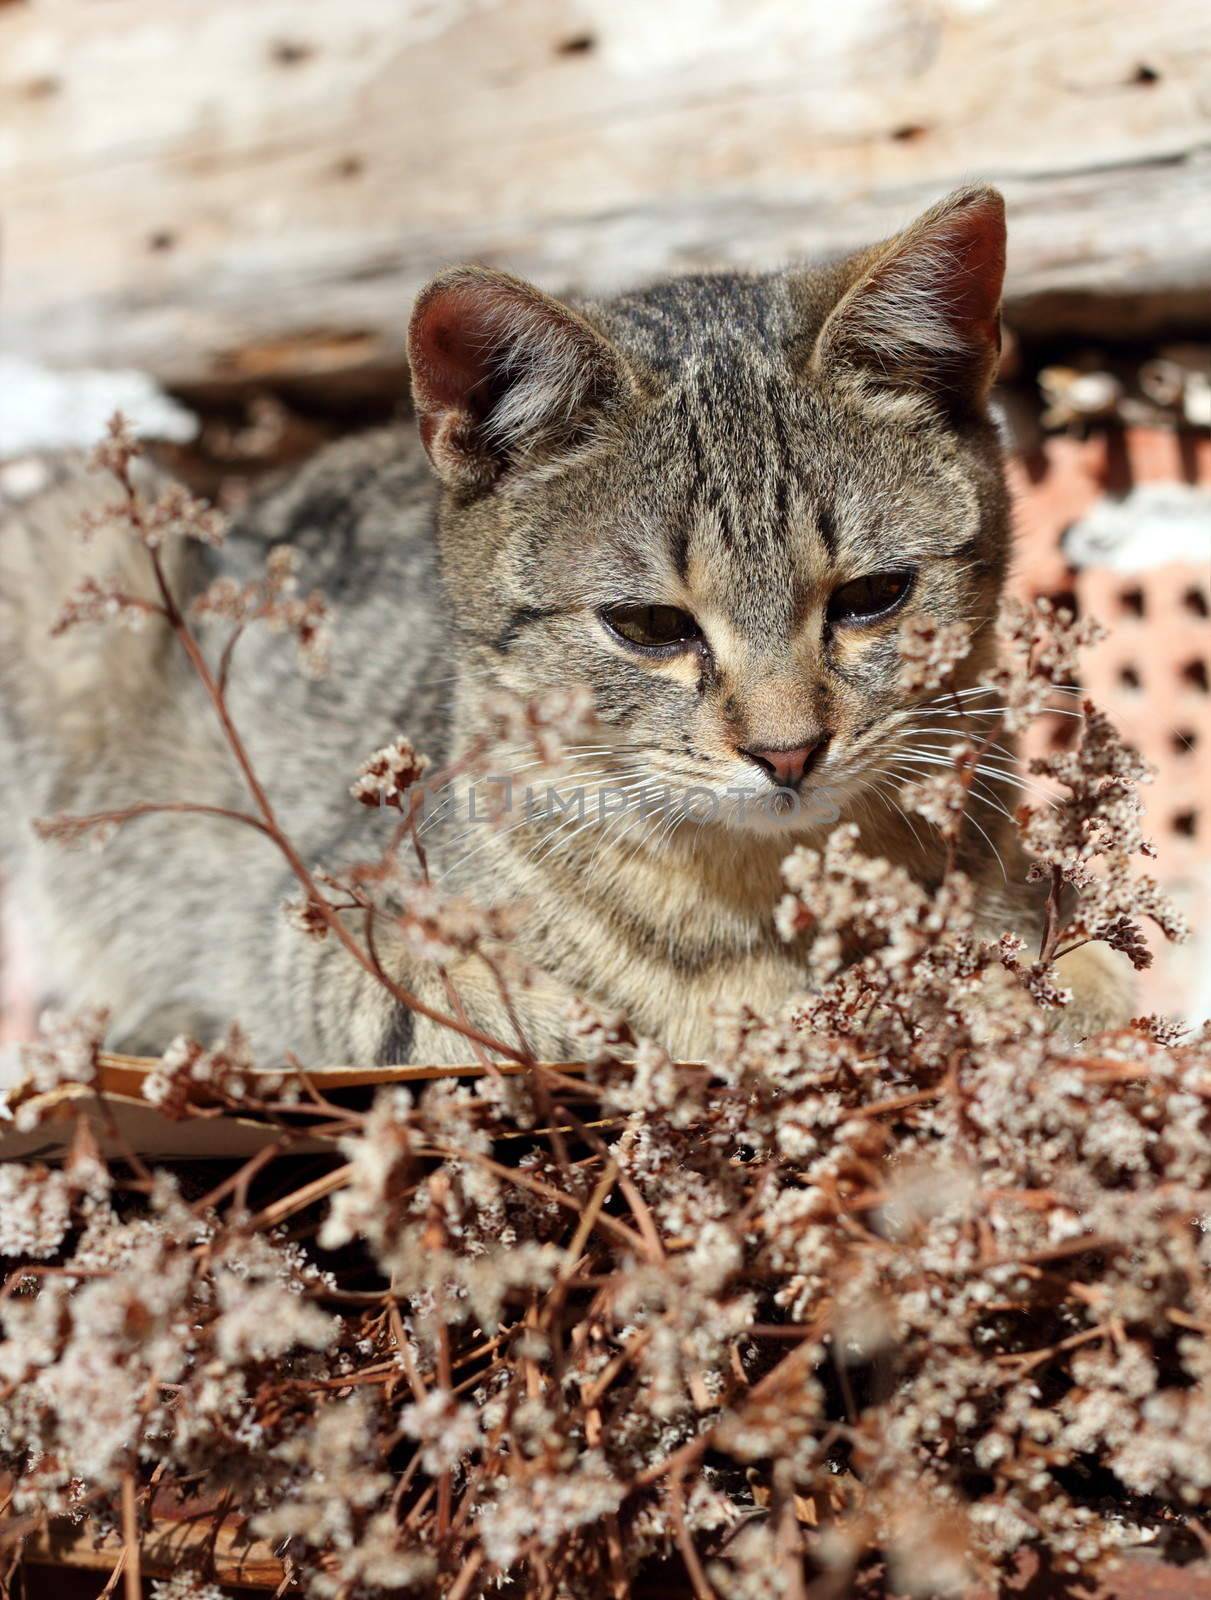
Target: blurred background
<point x="216" y="213"/>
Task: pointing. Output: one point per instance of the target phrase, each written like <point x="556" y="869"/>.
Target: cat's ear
<point x="922" y="312"/>
<point x="499" y="368"/>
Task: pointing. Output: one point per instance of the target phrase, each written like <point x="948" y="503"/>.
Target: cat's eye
<point x="865" y="599"/>
<point x="658" y="628"/>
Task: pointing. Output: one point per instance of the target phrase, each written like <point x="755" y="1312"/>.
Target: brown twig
<point x="132" y="1567"/>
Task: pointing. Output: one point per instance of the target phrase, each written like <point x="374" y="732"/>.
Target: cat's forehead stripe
<point x="747" y="506"/>
<point x="826" y="528"/>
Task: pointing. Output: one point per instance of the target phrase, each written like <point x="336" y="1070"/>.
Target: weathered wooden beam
<point x="230" y="193"/>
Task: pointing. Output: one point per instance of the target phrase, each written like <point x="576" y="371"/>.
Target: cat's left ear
<point x="922" y="312"/>
<point x="500" y="369"/>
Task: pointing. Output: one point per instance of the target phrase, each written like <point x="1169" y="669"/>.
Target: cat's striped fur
<point x="735" y="447"/>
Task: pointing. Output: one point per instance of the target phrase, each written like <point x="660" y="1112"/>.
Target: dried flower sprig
<point x="273" y="600"/>
<point x="855" y="1280"/>
<point x="1040" y="648"/>
<point x="1088" y="844"/>
<point x="894" y="1277"/>
<point x="930" y="651"/>
<point x="388" y="774"/>
<point x="67" y="1049"/>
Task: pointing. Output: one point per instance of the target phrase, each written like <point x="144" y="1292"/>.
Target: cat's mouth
<point x="745" y="797"/>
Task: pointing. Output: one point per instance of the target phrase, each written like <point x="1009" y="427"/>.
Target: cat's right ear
<point x="499" y="370"/>
<point x="922" y="314"/>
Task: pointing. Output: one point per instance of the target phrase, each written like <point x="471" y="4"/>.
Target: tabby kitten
<point x="714" y="502"/>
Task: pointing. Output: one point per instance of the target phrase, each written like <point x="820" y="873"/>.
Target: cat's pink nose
<point x="786" y="767"/>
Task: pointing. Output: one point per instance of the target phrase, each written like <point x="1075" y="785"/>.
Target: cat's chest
<point x="682" y="1015"/>
<point x="665" y="936"/>
<point x="669" y="962"/>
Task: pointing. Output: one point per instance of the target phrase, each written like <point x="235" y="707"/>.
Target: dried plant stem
<point x="224" y="672"/>
<point x="111" y="1583"/>
<point x="214" y="689"/>
<point x="702" y="1587"/>
<point x="1053" y="919"/>
<point x="300" y="1199"/>
<point x="403" y="1350"/>
<point x="152" y="808"/>
<point x="132" y="1567"/>
<point x="588" y="1217"/>
<point x="435" y="1239"/>
<point x="639" y="1207"/>
<point x="547" y="1191"/>
<point x="466" y="1577"/>
<point x="777" y="1378"/>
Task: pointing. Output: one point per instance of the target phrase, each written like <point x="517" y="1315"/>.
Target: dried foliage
<point x="894" y="1288"/>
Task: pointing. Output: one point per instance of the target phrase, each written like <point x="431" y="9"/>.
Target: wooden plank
<point x="234" y="192"/>
<point x="172" y="1545"/>
<point x="144" y="1127"/>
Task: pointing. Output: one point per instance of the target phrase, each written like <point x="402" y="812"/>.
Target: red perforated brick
<point x="1154" y="670"/>
<point x="1153" y="673"/>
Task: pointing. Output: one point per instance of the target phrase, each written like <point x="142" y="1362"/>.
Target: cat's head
<point x="715" y="502"/>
